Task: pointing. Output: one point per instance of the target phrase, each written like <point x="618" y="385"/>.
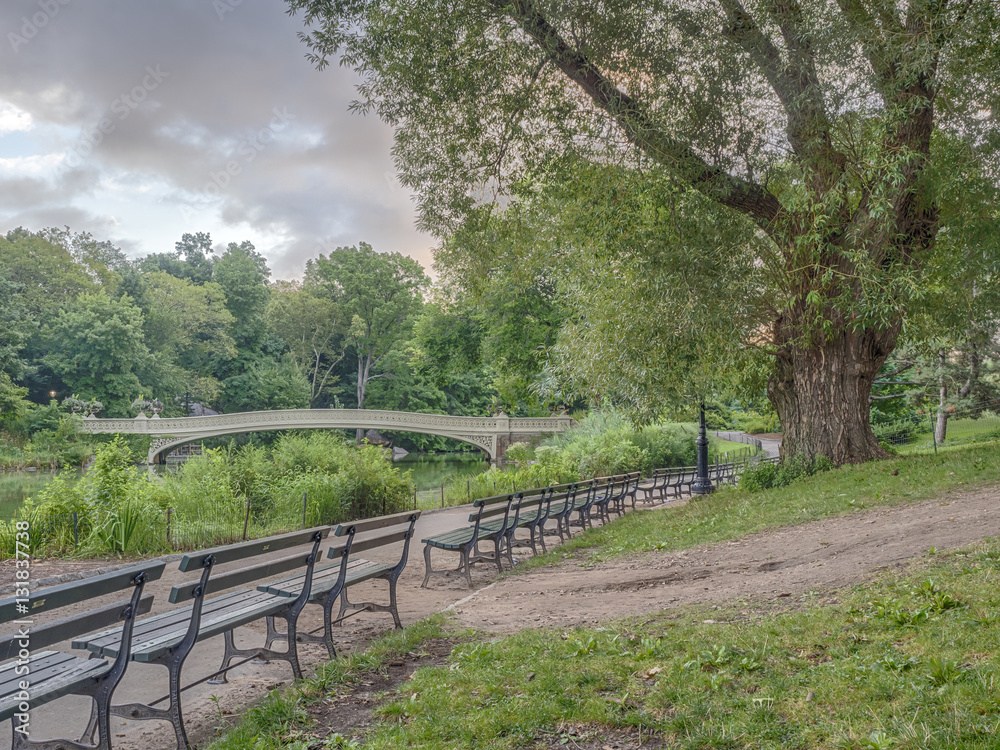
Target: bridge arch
<point x="491" y="434"/>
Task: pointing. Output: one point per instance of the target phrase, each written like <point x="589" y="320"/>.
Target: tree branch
<point x="742" y="195"/>
<point x="795" y="81"/>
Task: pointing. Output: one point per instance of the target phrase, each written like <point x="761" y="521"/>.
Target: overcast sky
<point x="139" y="120"/>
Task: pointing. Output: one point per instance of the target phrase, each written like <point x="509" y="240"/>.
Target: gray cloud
<point x="169" y="94"/>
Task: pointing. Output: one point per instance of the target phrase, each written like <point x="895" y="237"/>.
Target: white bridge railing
<point x="492" y="434"/>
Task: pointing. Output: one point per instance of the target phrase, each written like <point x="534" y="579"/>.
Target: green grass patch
<point x="732" y="513"/>
<point x="959" y="431"/>
<point x="906" y="662"/>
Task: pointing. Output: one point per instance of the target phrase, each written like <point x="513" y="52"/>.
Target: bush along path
<point x="790" y="637"/>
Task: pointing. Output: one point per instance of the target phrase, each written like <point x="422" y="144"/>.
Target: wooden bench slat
<point x="372" y="524"/>
<point x="45" y="600"/>
<point x="222" y="581"/>
<point x="55" y="632"/>
<point x="233" y="552"/>
<point x="51" y="679"/>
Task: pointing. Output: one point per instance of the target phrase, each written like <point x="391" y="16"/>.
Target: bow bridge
<point x="491" y="434"/>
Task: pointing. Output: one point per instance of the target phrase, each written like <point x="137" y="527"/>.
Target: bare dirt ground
<point x="820" y="555"/>
<point x="761" y="569"/>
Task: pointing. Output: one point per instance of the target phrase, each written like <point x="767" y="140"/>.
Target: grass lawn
<point x="959" y="431"/>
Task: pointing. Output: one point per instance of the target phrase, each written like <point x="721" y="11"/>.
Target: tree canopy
<point x="798" y="139"/>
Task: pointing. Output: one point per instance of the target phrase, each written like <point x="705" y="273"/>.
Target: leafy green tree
<point x="44" y="269"/>
<point x="102" y="260"/>
<point x="96" y="346"/>
<point x="380" y="294"/>
<point x="242" y="273"/>
<point x="313" y="327"/>
<point x="191" y="259"/>
<point x="804" y="125"/>
<point x="13" y="405"/>
<point x="188" y="323"/>
<point x="14" y="329"/>
<point x="265" y="385"/>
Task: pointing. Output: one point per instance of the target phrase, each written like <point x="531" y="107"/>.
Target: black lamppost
<point x="702" y="484"/>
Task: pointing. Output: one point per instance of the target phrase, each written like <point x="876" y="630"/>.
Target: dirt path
<point x="819" y="555"/>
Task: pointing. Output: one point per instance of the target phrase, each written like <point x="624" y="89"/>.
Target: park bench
<point x="586" y="496"/>
<point x="566" y="499"/>
<point x="168" y="638"/>
<point x="657" y="486"/>
<point x="630" y="488"/>
<point x="609" y="497"/>
<point x="36" y="677"/>
<point x="533" y="512"/>
<point x="502" y="512"/>
<point x="330" y="583"/>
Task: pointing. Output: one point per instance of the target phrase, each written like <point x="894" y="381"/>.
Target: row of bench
<point x="215" y="603"/>
<point x="496" y="520"/>
<point x="32" y="676"/>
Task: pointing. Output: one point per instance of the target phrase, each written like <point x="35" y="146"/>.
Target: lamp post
<point x="702" y="484"/>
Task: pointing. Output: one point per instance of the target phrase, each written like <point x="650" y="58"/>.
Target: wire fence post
<point x="169" y="511"/>
<point x="442" y="494"/>
<point x="246" y="520"/>
<point x="305" y="497"/>
<point x="76" y="530"/>
<point x="933" y="430"/>
<point x="468" y="489"/>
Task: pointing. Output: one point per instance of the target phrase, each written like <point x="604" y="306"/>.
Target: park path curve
<point x="770" y="565"/>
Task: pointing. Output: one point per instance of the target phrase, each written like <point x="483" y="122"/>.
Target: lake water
<point x="18" y="486"/>
<point x="430" y="470"/>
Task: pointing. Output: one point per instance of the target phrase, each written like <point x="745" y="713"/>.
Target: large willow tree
<point x="810" y="120"/>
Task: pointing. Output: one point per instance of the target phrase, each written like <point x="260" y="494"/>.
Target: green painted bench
<point x="168" y="638"/>
<point x="37" y="676"/>
<point x="330" y="583"/>
<point x="491" y="522"/>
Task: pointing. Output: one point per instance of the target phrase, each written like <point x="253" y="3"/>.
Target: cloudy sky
<point x="139" y="120"/>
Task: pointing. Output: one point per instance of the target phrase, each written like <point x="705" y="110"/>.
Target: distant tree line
<point x="205" y="324"/>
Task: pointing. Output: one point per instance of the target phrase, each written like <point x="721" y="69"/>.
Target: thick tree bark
<point x="821" y="394"/>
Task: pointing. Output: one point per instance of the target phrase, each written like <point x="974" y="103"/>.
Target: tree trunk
<point x="822" y="395"/>
<point x="359" y="435"/>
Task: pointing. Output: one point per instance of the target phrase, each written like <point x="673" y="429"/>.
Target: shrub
<point x="896" y="432"/>
<point x="763" y="476"/>
<point x="519" y="452"/>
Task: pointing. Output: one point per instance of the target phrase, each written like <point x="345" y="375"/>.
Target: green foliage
<point x="719" y="203"/>
<point x="379" y="294"/>
<point x="121" y="510"/>
<point x="764" y="476"/>
<point x="97" y="348"/>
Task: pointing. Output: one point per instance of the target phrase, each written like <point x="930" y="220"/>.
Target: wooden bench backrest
<point x="397" y="534"/>
<point x="487" y="507"/>
<point x="75" y="592"/>
<point x="195" y="561"/>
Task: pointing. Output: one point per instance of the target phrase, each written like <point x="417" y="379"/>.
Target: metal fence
<point x="933" y="427"/>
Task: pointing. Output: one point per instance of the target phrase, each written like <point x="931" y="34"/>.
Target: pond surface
<point x="18" y="486"/>
<point x="431" y="470"/>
